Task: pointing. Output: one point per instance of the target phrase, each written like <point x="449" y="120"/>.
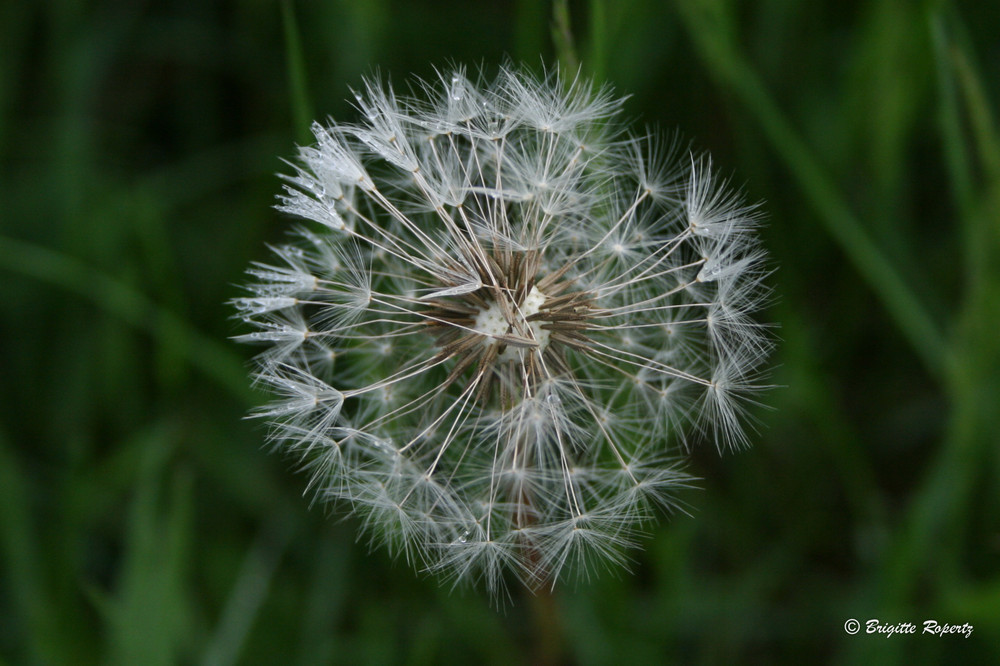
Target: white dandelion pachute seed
<point x="459" y="290"/>
<point x="499" y="318"/>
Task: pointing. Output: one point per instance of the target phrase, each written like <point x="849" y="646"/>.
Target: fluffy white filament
<point x="507" y="315"/>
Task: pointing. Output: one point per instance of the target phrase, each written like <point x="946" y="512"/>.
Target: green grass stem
<point x="737" y="76"/>
<point x="117" y="298"/>
<point x="302" y="110"/>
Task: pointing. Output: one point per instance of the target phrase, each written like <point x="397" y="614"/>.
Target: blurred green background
<point x="142" y="522"/>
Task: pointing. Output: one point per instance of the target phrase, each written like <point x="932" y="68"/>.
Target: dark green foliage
<point x="141" y="522"/>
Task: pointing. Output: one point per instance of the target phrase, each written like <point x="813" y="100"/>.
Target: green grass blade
<point x="35" y="615"/>
<point x="121" y="300"/>
<point x="982" y="119"/>
<point x="931" y="535"/>
<point x="955" y="150"/>
<point x="562" y="37"/>
<point x="529" y="31"/>
<point x="327" y="600"/>
<point x="737" y="76"/>
<point x="599" y="28"/>
<point x="302" y="111"/>
<point x="150" y="619"/>
<point x="251" y="588"/>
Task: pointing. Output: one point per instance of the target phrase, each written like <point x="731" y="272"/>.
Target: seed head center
<point x="492" y="322"/>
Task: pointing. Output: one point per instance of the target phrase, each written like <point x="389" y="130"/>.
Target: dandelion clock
<point x="502" y="320"/>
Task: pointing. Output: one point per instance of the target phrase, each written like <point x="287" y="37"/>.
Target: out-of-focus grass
<point x="140" y="520"/>
<point x="297" y="75"/>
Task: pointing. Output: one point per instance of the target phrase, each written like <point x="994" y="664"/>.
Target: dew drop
<point x="710" y="271"/>
<point x="457" y="89"/>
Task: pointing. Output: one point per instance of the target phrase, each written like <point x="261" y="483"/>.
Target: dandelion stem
<point x="549" y="638"/>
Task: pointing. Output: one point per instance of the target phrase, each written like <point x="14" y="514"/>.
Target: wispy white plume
<point x="505" y="322"/>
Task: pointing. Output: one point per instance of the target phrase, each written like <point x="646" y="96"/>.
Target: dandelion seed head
<point x="501" y="322"/>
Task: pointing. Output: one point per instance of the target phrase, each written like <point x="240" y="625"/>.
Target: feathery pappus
<point x="503" y="320"/>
